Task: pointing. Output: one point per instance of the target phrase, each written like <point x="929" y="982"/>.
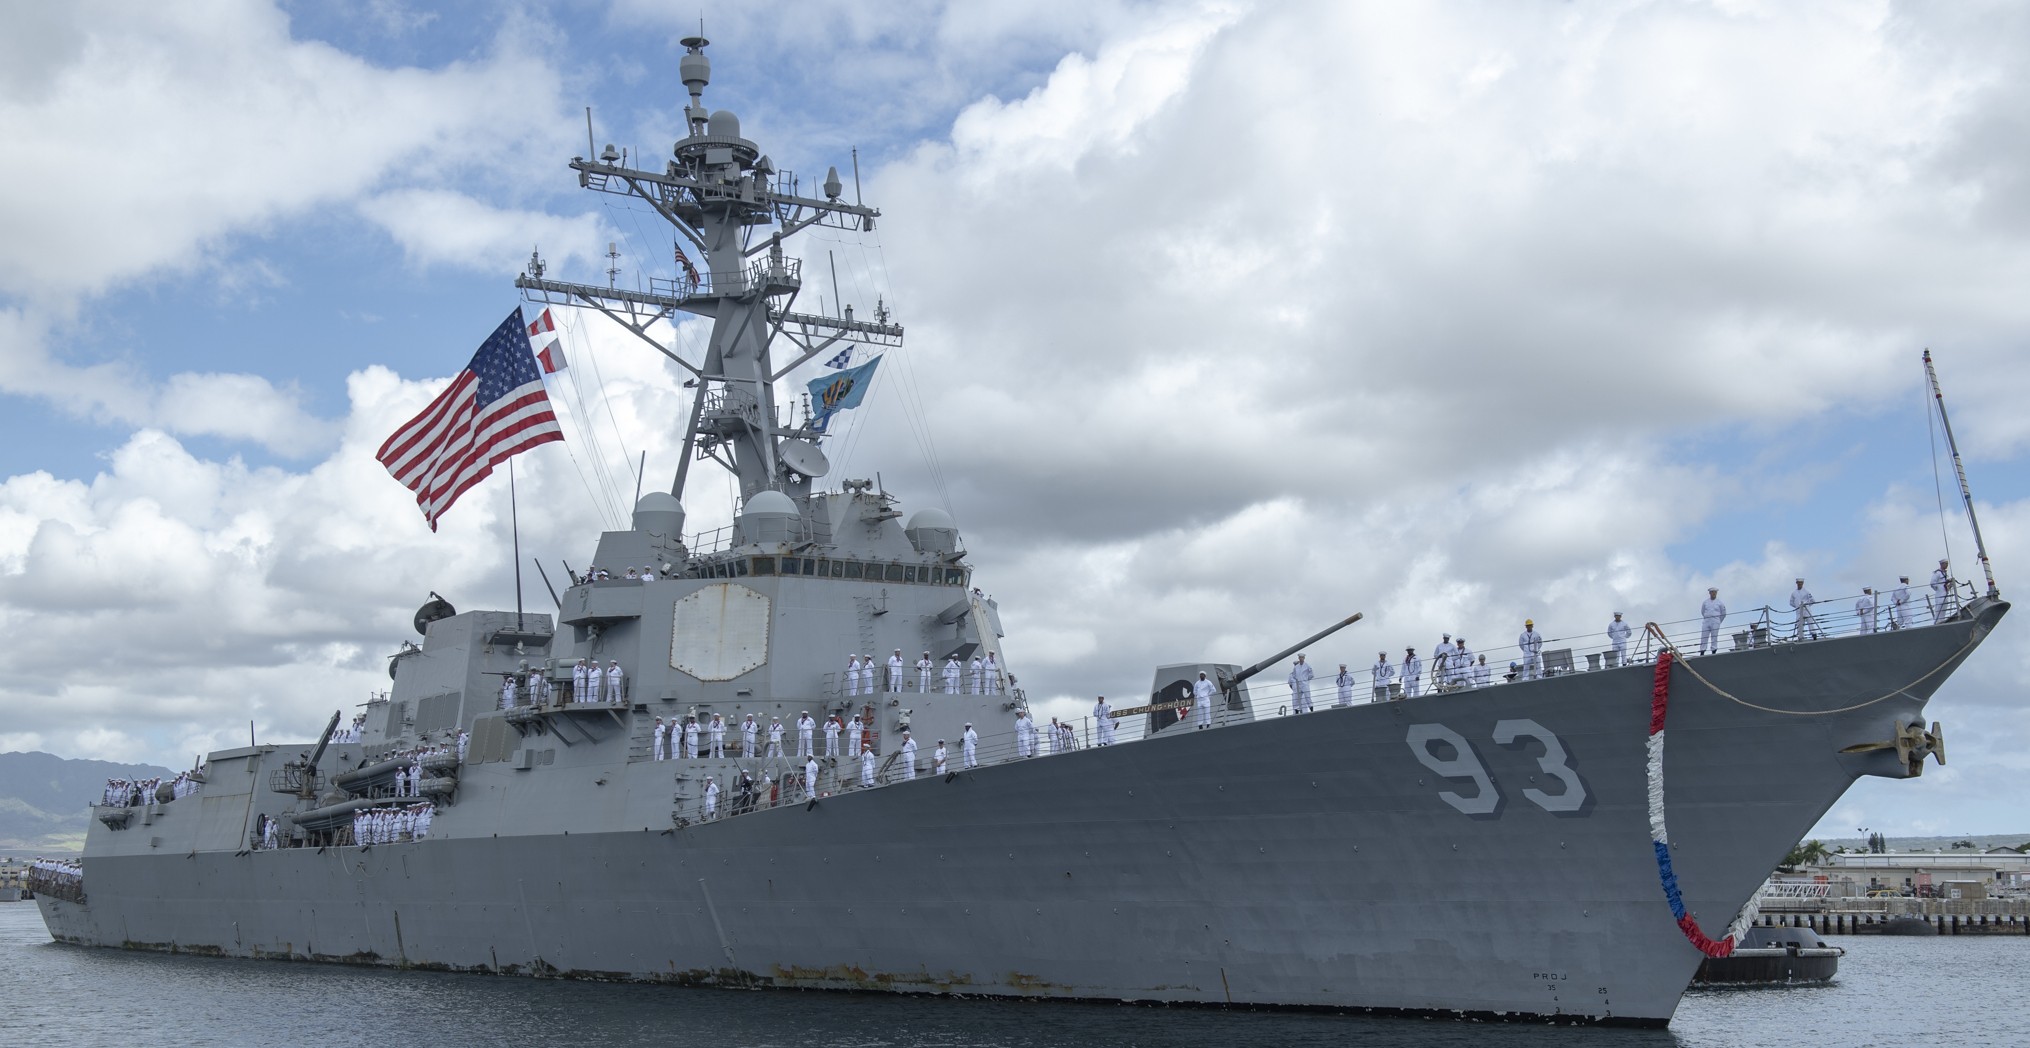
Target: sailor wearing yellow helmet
<point x="1532" y="645"/>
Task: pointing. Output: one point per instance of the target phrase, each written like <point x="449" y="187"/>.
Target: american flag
<point x="495" y="409"/>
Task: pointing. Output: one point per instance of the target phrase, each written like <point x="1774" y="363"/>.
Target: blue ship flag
<point x="831" y="394"/>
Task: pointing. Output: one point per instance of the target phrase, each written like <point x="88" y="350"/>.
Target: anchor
<point x="1912" y="744"/>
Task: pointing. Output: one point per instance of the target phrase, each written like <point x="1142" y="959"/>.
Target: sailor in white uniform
<point x="1459" y="667"/>
<point x="969" y="747"/>
<point x="832" y="729"/>
<point x="1864" y="610"/>
<point x="507" y="693"/>
<point x="850" y="679"/>
<point x="1103" y="716"/>
<point x="718" y="736"/>
<point x="747" y="730"/>
<point x="1412" y="674"/>
<point x="584" y="687"/>
<point x="1711" y="614"/>
<point x="1482" y="675"/>
<point x="937" y="758"/>
<point x="895" y="668"/>
<point x="993" y="675"/>
<point x="775" y="736"/>
<point x="1532" y="644"/>
<point x="1345" y="682"/>
<point x="1440" y="656"/>
<point x="866" y="765"/>
<point x="923" y="668"/>
<point x="1943" y="594"/>
<point x="1617" y="638"/>
<point x="977" y="677"/>
<point x="711" y="798"/>
<point x="806" y="731"/>
<point x="810" y="778"/>
<point x="1025" y="734"/>
<point x="1202" y="692"/>
<point x="867" y="674"/>
<point x="853" y="730"/>
<point x="614" y="677"/>
<point x="662" y="741"/>
<point x="1381" y="673"/>
<point x="951" y="675"/>
<point x="1801" y="602"/>
<point x="1300" y="685"/>
<point x="691" y="737"/>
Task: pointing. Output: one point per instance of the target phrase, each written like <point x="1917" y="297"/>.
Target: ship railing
<point x="909" y="682"/>
<point x="1564" y="654"/>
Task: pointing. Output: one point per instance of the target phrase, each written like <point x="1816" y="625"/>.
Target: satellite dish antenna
<point x="803" y="457"/>
<point x="437" y="608"/>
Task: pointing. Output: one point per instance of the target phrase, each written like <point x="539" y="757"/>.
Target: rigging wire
<point x="581" y="343"/>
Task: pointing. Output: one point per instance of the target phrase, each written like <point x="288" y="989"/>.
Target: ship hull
<point x="1307" y="861"/>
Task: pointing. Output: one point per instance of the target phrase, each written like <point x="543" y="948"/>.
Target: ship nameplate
<point x="720" y="632"/>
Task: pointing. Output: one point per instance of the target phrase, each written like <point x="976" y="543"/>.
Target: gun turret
<point x="1258" y="667"/>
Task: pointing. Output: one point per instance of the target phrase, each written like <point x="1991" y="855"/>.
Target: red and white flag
<point x="494" y="410"/>
<point x="552" y="357"/>
<point x="543" y="325"/>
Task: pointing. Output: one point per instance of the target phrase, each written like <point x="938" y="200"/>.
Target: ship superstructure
<point x="1486" y="849"/>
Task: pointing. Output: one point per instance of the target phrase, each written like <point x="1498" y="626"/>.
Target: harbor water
<point x="1892" y="993"/>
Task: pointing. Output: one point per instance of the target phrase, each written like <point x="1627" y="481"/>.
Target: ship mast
<point x="727" y="199"/>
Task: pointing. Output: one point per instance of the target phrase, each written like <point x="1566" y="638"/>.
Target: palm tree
<point x="1806" y="853"/>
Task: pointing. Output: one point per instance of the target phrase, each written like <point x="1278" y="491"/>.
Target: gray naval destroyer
<point x="1495" y="851"/>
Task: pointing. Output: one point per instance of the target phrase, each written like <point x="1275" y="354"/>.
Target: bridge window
<point x="853" y="569"/>
<point x="894" y="572"/>
<point x="909" y="573"/>
<point x="810" y="566"/>
<point x="764" y="565"/>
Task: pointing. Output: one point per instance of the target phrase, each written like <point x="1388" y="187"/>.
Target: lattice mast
<point x="727" y="199"/>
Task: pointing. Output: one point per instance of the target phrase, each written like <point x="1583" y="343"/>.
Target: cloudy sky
<point x="1225" y="320"/>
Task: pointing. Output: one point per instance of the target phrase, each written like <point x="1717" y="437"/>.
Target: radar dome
<point x="724" y="124"/>
<point x="769" y="516"/>
<point x="659" y="513"/>
<point x="931" y="530"/>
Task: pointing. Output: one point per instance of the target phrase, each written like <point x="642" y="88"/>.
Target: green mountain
<point x="45" y="800"/>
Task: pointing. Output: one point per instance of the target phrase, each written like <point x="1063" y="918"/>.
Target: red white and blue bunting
<point x="1659" y="704"/>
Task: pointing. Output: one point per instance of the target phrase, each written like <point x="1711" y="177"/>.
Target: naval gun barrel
<point x="1279" y="656"/>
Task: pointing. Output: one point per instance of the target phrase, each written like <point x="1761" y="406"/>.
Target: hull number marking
<point x="1449" y="755"/>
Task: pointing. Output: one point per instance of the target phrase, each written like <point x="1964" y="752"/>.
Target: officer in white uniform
<point x="1412" y="674"/>
<point x="1532" y="644"/>
<point x="1899" y="603"/>
<point x="951" y="675"/>
<point x="1381" y="673"/>
<point x="1711" y="614"/>
<point x="923" y="668"/>
<point x="969" y="747"/>
<point x="1617" y="636"/>
<point x="1202" y="692"/>
<point x="1801" y="602"/>
<point x="937" y="758"/>
<point x="895" y="668"/>
<point x="832" y="729"/>
<point x="614" y="678"/>
<point x="1942" y="594"/>
<point x="1300" y="684"/>
<point x="867" y="766"/>
<point x="1864" y="610"/>
<point x="806" y="731"/>
<point x="1103" y="715"/>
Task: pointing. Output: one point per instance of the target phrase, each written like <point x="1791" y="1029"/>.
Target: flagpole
<point x="515" y="522"/>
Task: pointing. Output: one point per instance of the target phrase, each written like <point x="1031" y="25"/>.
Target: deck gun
<point x="1230" y="686"/>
